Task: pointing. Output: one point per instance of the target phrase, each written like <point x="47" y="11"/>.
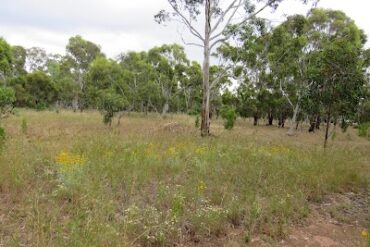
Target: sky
<point x="124" y="25"/>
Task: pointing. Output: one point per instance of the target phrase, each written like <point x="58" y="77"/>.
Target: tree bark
<point x="205" y="102"/>
<point x="327" y="130"/>
<point x="318" y="122"/>
<point x="270" y="118"/>
<point x="255" y="120"/>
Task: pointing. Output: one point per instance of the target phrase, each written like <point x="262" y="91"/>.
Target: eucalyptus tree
<point x="338" y="74"/>
<point x="105" y="87"/>
<point x="169" y="62"/>
<point x="5" y="60"/>
<point x="191" y="88"/>
<point x="216" y="16"/>
<point x="36" y="59"/>
<point x="249" y="59"/>
<point x="19" y="56"/>
<point x="81" y="53"/>
<point x="143" y="93"/>
<point x="289" y="50"/>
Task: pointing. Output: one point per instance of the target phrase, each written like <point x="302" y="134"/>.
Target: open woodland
<point x="268" y="147"/>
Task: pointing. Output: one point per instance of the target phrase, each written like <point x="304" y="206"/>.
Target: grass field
<point x="68" y="180"/>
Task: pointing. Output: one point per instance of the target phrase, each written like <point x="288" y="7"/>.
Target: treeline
<point x="309" y="68"/>
<point x="312" y="67"/>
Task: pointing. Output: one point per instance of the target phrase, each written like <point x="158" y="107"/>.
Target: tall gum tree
<point x="217" y="16"/>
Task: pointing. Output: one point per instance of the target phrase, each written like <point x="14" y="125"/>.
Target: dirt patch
<point x="173" y="127"/>
<point x="321" y="229"/>
<point x="340" y="220"/>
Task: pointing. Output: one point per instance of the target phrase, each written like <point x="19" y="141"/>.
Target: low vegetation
<point x="68" y="180"/>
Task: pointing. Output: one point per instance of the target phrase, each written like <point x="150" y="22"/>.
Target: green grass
<point x="142" y="184"/>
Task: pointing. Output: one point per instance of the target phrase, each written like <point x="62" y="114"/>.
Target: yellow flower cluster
<point x="201" y="150"/>
<point x="278" y="149"/>
<point x="171" y="151"/>
<point x="69" y="162"/>
<point x="201" y="187"/>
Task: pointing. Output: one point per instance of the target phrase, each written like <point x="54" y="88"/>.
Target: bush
<point x="2" y="137"/>
<point x="365" y="112"/>
<point x="229" y="114"/>
<point x="364" y="130"/>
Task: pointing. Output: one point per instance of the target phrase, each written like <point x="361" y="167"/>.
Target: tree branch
<point x="186" y="22"/>
<point x="221" y="18"/>
<point x="239" y="23"/>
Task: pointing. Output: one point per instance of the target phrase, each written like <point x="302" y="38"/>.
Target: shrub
<point x="364" y="130"/>
<point x="229" y="114"/>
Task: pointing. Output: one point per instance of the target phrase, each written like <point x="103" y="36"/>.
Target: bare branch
<point x="239" y="23"/>
<point x="186" y="22"/>
<point x="189" y="43"/>
<point x="229" y="8"/>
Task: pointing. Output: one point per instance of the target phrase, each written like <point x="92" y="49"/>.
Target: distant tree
<point x="36" y="59"/>
<point x="81" y="53"/>
<point x="7" y="98"/>
<point x="169" y="62"/>
<point x="19" y="56"/>
<point x="338" y="72"/>
<point x="217" y="17"/>
<point x="105" y="87"/>
<point x="288" y="54"/>
<point x="35" y="90"/>
<point x="5" y="60"/>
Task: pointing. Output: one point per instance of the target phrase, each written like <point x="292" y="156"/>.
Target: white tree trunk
<point x="291" y="130"/>
<point x="205" y="103"/>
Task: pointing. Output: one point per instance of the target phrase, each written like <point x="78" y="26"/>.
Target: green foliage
<point x="7" y="98"/>
<point x="5" y="59"/>
<point x="364" y="113"/>
<point x="229" y="115"/>
<point x="2" y="136"/>
<point x="364" y="130"/>
<point x="19" y="55"/>
<point x="109" y="102"/>
<point x="35" y="90"/>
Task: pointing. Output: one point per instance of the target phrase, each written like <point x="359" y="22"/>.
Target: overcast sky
<point x="122" y="25"/>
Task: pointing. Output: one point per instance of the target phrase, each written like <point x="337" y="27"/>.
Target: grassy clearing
<point x="68" y="180"/>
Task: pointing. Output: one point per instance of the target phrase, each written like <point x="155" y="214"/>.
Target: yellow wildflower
<point x="201" y="187"/>
<point x="201" y="150"/>
<point x="171" y="151"/>
<point x="365" y="234"/>
<point x="69" y="162"/>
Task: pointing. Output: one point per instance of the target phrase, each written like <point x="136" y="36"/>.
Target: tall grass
<point x="141" y="185"/>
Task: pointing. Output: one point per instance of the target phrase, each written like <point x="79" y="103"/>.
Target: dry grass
<point x="155" y="182"/>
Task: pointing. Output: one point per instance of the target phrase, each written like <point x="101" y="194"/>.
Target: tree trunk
<point x="255" y="120"/>
<point x="318" y="122"/>
<point x="205" y="102"/>
<point x="270" y="118"/>
<point x="297" y="125"/>
<point x="327" y="130"/>
<point x="291" y="130"/>
<point x="165" y="109"/>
